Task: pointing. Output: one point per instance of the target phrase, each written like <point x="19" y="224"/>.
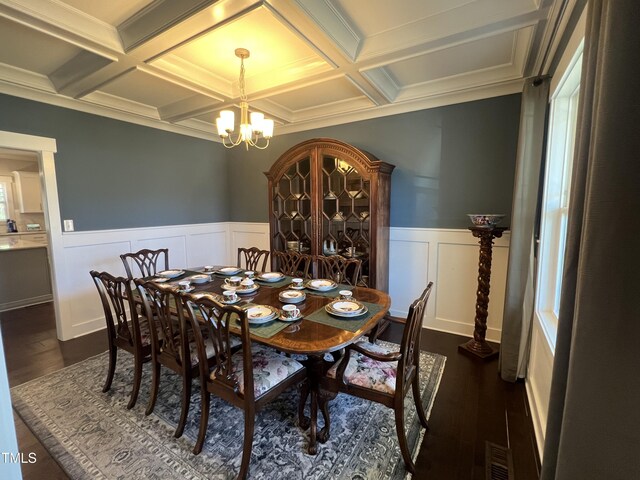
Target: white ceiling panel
<point x="113" y="12"/>
<point x="23" y="47"/>
<point x="467" y="57"/>
<point x="372" y="17"/>
<point x="337" y="90"/>
<point x="313" y="63"/>
<point x="147" y="89"/>
<point x="277" y="54"/>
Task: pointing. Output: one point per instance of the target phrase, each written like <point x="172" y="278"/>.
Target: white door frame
<point x="46" y="148"/>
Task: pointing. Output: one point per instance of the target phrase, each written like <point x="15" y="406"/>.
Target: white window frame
<point x="8" y="183"/>
<point x="555" y="200"/>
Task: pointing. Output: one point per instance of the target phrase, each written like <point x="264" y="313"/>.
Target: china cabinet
<point x="327" y="197"/>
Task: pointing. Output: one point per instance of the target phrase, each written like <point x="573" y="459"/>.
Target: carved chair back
<point x="292" y="263"/>
<point x="149" y="262"/>
<point x="168" y="329"/>
<point x="123" y="325"/>
<point x="338" y="268"/>
<point x="217" y="375"/>
<point x="253" y="259"/>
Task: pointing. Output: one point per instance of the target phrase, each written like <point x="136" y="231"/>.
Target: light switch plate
<point x="68" y="225"/>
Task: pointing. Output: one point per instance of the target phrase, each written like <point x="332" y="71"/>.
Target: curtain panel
<point x="593" y="424"/>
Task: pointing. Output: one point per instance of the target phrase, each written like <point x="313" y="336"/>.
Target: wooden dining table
<point x="305" y="337"/>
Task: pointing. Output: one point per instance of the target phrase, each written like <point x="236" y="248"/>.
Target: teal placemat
<point x="330" y="293"/>
<point x="349" y="324"/>
<point x="280" y="283"/>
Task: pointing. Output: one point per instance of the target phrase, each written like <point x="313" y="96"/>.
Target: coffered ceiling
<point x="171" y="64"/>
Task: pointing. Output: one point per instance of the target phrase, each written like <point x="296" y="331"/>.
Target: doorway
<point x="41" y="151"/>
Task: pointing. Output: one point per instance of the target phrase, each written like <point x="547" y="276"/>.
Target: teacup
<point x="184" y="285"/>
<point x="345" y="294"/>
<point x="290" y="311"/>
<point x="350" y="251"/>
<point x="296" y="282"/>
<point x="209" y="268"/>
<point x="249" y="274"/>
<point x="229" y="296"/>
<point x="247" y="282"/>
<point x="233" y="281"/>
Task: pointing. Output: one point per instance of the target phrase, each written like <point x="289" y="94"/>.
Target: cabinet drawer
<point x="36" y="238"/>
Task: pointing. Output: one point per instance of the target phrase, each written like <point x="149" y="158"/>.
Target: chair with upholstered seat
<point x="124" y="329"/>
<point x="253" y="259"/>
<point x="149" y="262"/>
<point x="248" y="379"/>
<point x="172" y="343"/>
<point x="292" y="263"/>
<point x="338" y="268"/>
<point x="372" y="372"/>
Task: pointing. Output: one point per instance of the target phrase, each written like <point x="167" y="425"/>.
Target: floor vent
<point x="498" y="462"/>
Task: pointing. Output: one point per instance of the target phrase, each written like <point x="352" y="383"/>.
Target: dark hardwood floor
<point x="473" y="404"/>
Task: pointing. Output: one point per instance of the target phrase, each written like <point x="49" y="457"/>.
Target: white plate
<point x="289" y="319"/>
<point x="270" y="276"/>
<point x="242" y="289"/>
<point x="346" y="308"/>
<point x="200" y="278"/>
<point x="321" y="284"/>
<point x="292" y="296"/>
<point x="160" y="279"/>
<point x="228" y="270"/>
<point x="170" y="273"/>
<point x="261" y="314"/>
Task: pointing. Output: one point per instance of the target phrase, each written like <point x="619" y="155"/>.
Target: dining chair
<point x="248" y="378"/>
<point x="373" y="372"/>
<point x="171" y="343"/>
<point x="338" y="268"/>
<point x="253" y="259"/>
<point x="149" y="262"/>
<point x="292" y="263"/>
<point x="124" y="329"/>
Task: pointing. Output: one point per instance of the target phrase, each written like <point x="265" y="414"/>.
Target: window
<point x="555" y="201"/>
<point x="6" y="205"/>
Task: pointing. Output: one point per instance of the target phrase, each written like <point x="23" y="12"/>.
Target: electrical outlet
<point x="68" y="225"/>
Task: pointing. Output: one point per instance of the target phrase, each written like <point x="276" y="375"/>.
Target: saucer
<point x="186" y="290"/>
<point x="242" y="289"/>
<point x="293" y="287"/>
<point x="282" y="318"/>
<point x="233" y="302"/>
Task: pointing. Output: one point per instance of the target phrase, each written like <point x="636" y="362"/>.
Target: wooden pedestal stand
<point x="478" y="346"/>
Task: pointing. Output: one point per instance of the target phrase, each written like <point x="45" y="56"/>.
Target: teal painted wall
<point x="450" y="161"/>
<point x="113" y="174"/>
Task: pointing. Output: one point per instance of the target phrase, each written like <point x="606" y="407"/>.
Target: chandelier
<point x="251" y="132"/>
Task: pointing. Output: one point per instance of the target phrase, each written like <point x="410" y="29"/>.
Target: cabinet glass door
<point x="345" y="211"/>
<point x="291" y="207"/>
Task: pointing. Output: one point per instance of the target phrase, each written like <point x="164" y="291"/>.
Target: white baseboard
<point x="25" y="302"/>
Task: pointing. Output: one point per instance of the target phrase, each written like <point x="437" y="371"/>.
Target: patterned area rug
<point x="92" y="435"/>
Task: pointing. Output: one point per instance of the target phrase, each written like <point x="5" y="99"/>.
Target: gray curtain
<point x="593" y="423"/>
<point x="518" y="304"/>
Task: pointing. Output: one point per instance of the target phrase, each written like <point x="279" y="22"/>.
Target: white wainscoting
<point x="538" y="381"/>
<point x="447" y="257"/>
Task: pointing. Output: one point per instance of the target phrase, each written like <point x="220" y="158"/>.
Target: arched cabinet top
<point x="364" y="162"/>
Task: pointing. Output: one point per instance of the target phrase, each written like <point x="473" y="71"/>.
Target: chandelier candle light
<point x="250" y="132"/>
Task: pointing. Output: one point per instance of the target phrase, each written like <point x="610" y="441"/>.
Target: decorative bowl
<point x="485" y="219"/>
